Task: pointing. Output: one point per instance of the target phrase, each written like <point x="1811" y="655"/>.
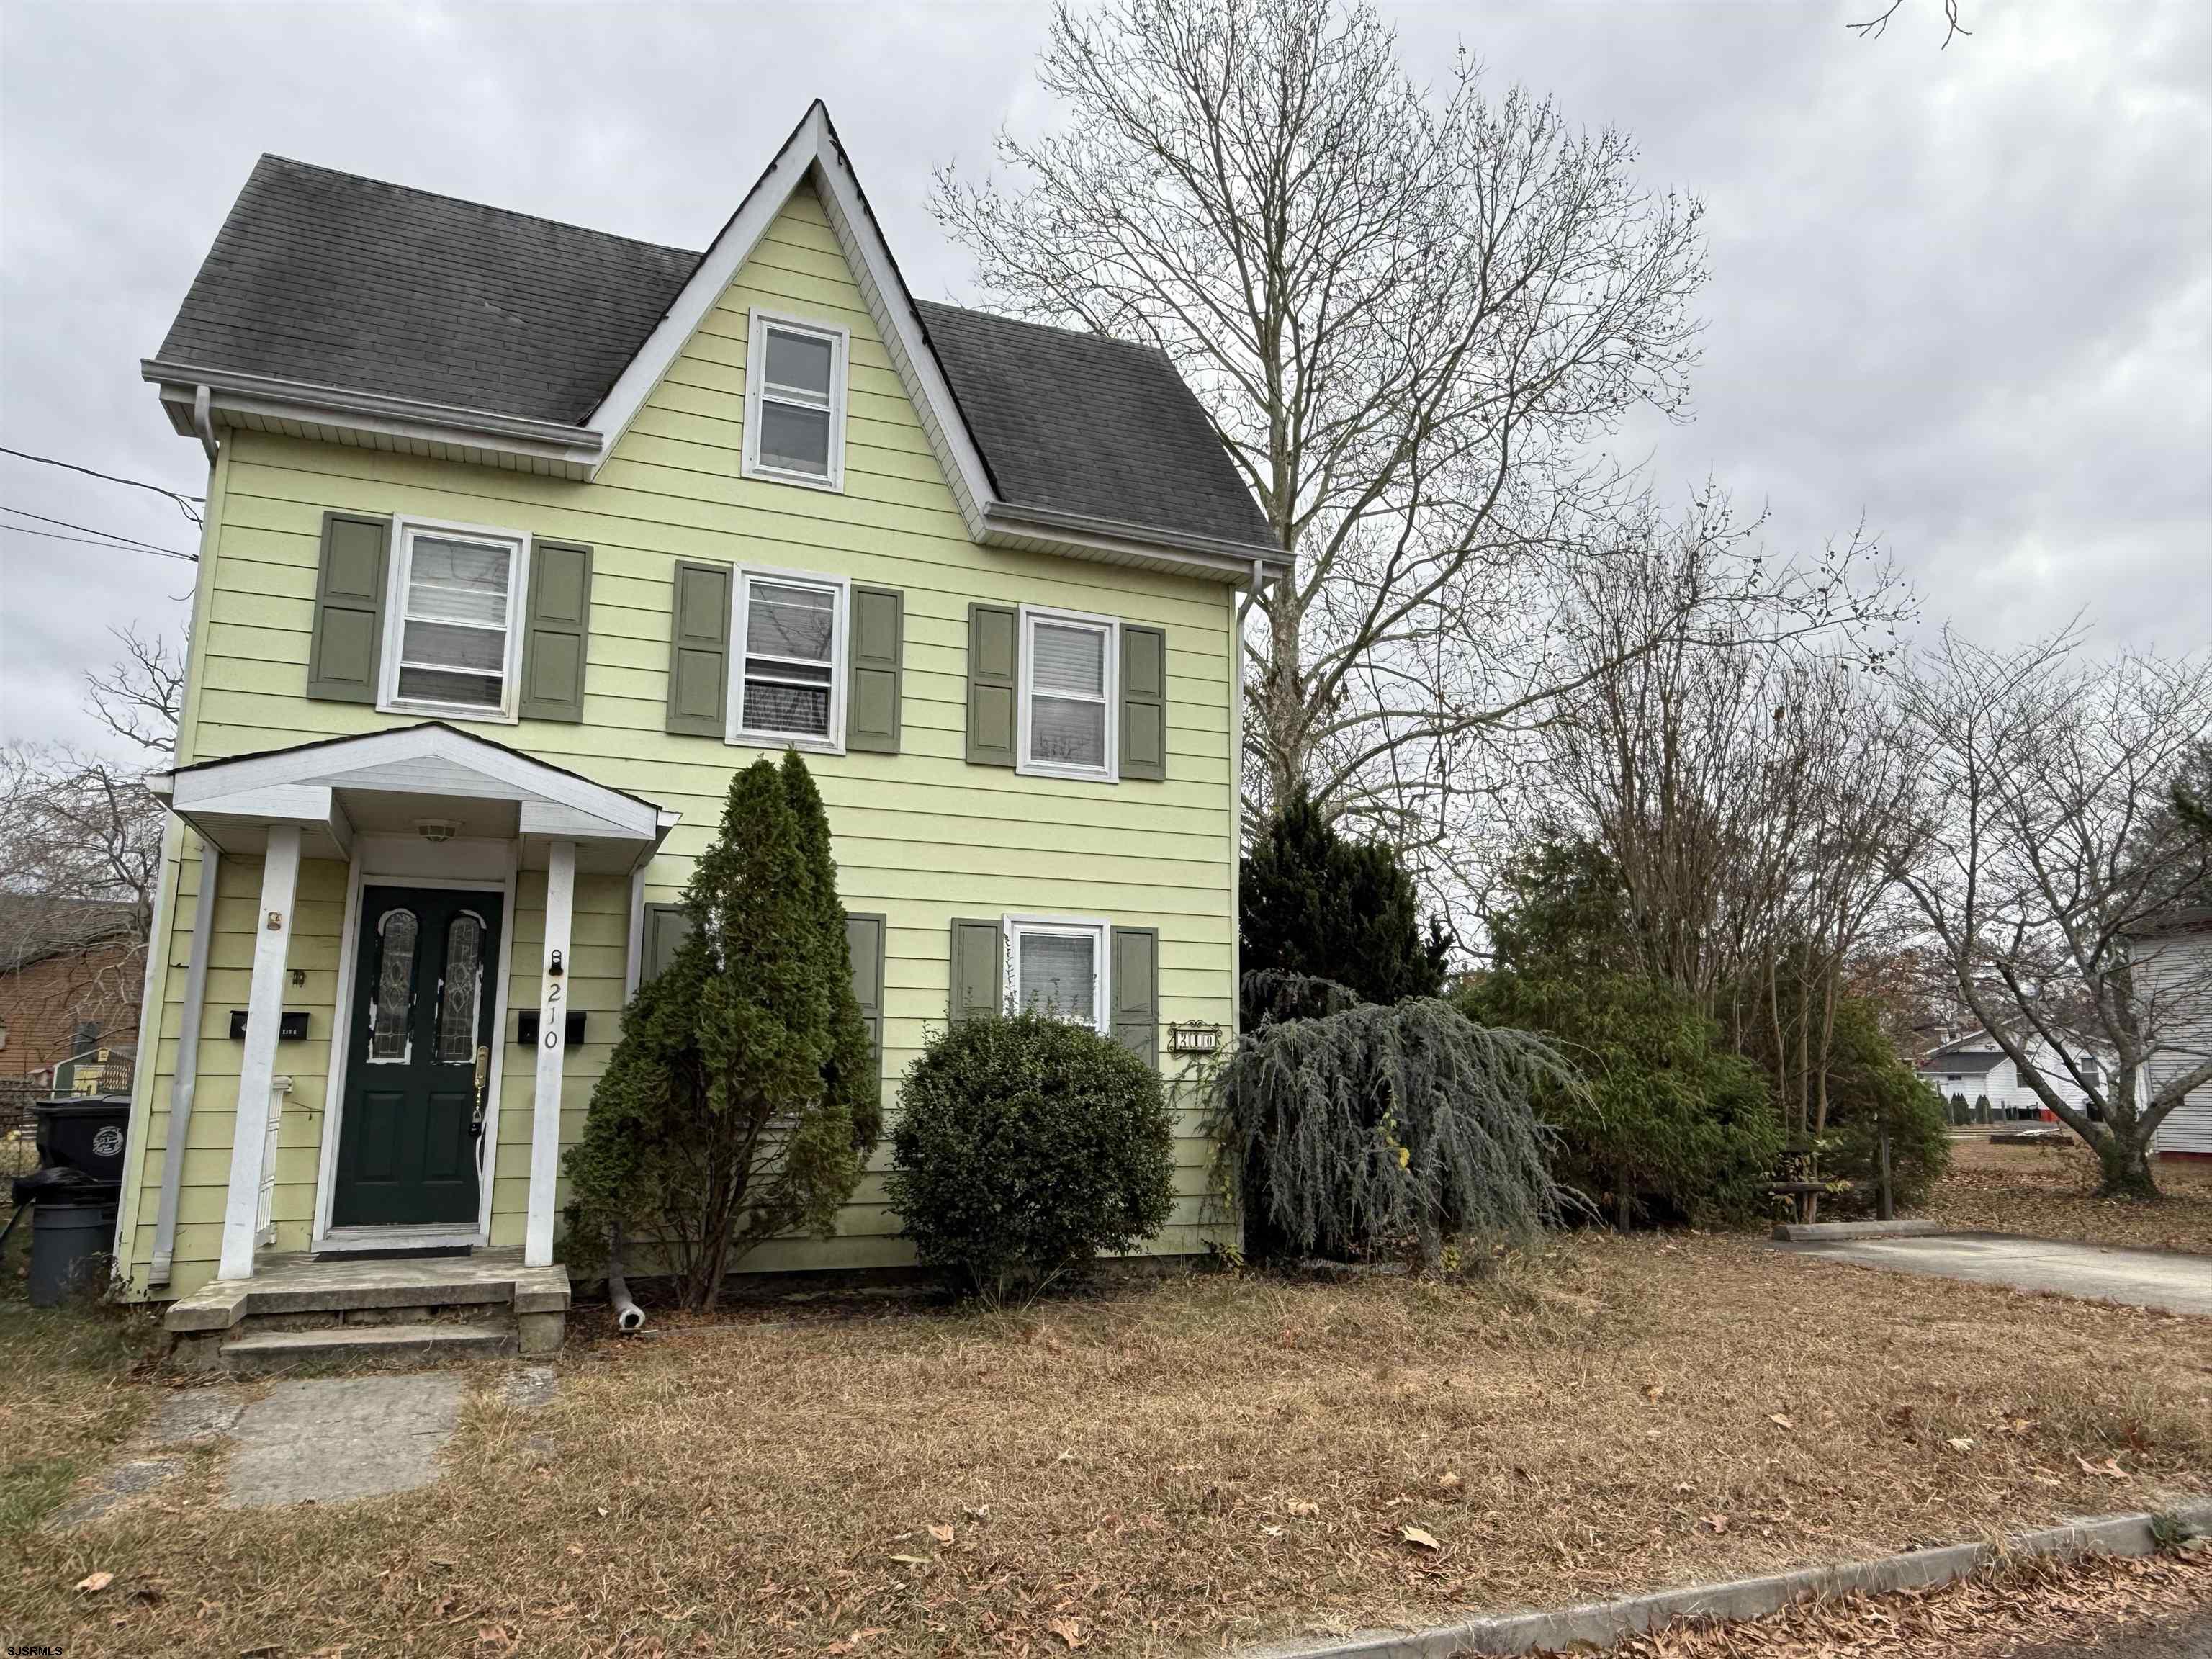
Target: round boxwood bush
<point x="1026" y="1147"/>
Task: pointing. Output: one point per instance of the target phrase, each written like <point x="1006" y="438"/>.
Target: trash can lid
<point x="60" y="1182"/>
<point x="83" y="1106"/>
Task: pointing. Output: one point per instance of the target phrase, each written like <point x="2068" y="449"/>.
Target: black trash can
<point x="72" y="1221"/>
<point x="86" y="1135"/>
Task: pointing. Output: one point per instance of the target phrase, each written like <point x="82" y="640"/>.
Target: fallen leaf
<point x="1779" y="1420"/>
<point x="1301" y="1508"/>
<point x="1068" y="1631"/>
<point x="980" y="1512"/>
<point x="1271" y="1532"/>
<point x="1961" y="1443"/>
<point x="912" y="1561"/>
<point x="1419" y="1539"/>
<point x="1717" y="1522"/>
<point x="1448" y="1481"/>
<point x="942" y="1534"/>
<point x="93" y="1583"/>
<point x="1653" y="1390"/>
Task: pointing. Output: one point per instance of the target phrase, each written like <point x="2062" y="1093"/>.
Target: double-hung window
<point x="1056" y="966"/>
<point x="453" y="644"/>
<point x="1067" y="715"/>
<point x="791" y="687"/>
<point x="795" y="401"/>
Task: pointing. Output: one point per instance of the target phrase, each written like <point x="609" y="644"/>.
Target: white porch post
<point x="552" y="1047"/>
<point x="264" y="1012"/>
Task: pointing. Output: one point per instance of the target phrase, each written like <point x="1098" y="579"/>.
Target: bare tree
<point x="1733" y="782"/>
<point x="140" y="698"/>
<point x="1873" y="28"/>
<point x="2041" y="850"/>
<point x="1406" y="316"/>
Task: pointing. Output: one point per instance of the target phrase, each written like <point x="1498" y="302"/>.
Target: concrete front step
<point x="260" y="1353"/>
<point x="339" y="1307"/>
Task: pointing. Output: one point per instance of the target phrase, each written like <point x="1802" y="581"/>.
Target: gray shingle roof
<point x="339" y="281"/>
<point x="1086" y="423"/>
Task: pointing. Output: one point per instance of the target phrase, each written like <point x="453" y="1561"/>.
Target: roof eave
<point x="376" y="420"/>
<point x="1081" y="536"/>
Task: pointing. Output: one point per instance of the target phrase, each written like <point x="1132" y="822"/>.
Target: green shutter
<point x="1144" y="702"/>
<point x="349" y="635"/>
<point x="1136" y="991"/>
<point x="978" y="979"/>
<point x="555" y="632"/>
<point x="994" y="651"/>
<point x="871" y="712"/>
<point x="666" y="927"/>
<point x="699" y="650"/>
<point x="863" y="940"/>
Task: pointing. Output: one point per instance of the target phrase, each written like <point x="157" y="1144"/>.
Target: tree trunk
<point x="2123" y="1158"/>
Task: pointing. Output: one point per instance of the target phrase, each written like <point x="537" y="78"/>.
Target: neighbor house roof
<point x="327" y="279"/>
<point x="1962" y="1060"/>
<point x="36" y="925"/>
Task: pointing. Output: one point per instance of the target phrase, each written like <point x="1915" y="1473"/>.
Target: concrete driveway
<point x="2165" y="1279"/>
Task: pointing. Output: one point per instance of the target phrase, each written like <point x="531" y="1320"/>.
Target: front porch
<point x="295" y="1310"/>
<point x="426" y="903"/>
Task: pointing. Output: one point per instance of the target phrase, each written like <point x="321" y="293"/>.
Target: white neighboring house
<point x="2173" y="963"/>
<point x="1974" y="1066"/>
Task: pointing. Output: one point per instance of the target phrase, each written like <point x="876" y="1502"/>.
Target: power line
<point x="88" y="541"/>
<point x="183" y="501"/>
<point x="89" y="530"/>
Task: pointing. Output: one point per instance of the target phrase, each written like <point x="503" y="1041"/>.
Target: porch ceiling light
<point x="436" y="829"/>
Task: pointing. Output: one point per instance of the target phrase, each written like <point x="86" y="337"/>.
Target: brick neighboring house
<point x="71" y="972"/>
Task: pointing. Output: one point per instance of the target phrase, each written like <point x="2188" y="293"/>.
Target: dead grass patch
<point x="65" y="1405"/>
<point x="1192" y="1464"/>
<point x="2034" y="1609"/>
<point x="2051" y="1191"/>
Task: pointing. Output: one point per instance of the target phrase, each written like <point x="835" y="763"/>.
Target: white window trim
<point x="1111" y="771"/>
<point x="1013" y="928"/>
<point x="734" y="731"/>
<point x="388" y="700"/>
<point x="841" y="343"/>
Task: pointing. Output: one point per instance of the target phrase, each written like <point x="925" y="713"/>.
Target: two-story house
<point x="520" y="538"/>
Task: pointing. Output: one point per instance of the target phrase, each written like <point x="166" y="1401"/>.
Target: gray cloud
<point x="1967" y="293"/>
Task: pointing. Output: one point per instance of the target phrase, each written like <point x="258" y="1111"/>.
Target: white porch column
<point x="264" y="1012"/>
<point x="552" y="1047"/>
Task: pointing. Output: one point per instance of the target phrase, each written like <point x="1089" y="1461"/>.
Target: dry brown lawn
<point x="2051" y="1191"/>
<point x="1183" y="1466"/>
<point x="2035" y="1610"/>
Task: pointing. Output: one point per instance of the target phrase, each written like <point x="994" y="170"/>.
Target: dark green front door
<point x="425" y="971"/>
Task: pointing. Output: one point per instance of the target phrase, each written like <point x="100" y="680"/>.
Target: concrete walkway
<point x="2165" y="1279"/>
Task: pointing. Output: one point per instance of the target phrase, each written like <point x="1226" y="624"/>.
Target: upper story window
<point x="1056" y="966"/>
<point x="795" y="401"/>
<point x="1067" y="722"/>
<point x="790" y="688"/>
<point x="453" y="640"/>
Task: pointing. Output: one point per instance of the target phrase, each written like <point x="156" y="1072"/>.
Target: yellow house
<point x="521" y="538"/>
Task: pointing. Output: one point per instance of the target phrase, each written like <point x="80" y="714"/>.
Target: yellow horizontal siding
<point x="921" y="836"/>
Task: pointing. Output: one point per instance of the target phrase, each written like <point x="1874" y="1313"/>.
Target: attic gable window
<point x="795" y="401"/>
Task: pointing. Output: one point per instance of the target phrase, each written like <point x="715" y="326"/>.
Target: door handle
<point x="484" y="1076"/>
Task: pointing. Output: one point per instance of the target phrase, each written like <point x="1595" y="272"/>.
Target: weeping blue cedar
<point x="1376" y="1127"/>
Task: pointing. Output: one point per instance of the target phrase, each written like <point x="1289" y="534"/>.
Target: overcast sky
<point x="1963" y="294"/>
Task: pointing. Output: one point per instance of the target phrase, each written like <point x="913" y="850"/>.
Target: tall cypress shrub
<point x="1317" y="903"/>
<point x="731" y="1110"/>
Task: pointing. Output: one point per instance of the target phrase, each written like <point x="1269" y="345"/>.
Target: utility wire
<point x="89" y="530"/>
<point x="113" y="547"/>
<point x="184" y="501"/>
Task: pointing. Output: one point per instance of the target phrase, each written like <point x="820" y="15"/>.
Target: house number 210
<point x="552" y="1016"/>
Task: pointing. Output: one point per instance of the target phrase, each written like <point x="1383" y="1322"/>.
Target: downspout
<point x="1251" y="594"/>
<point x="203" y="420"/>
<point x="188" y="1066"/>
